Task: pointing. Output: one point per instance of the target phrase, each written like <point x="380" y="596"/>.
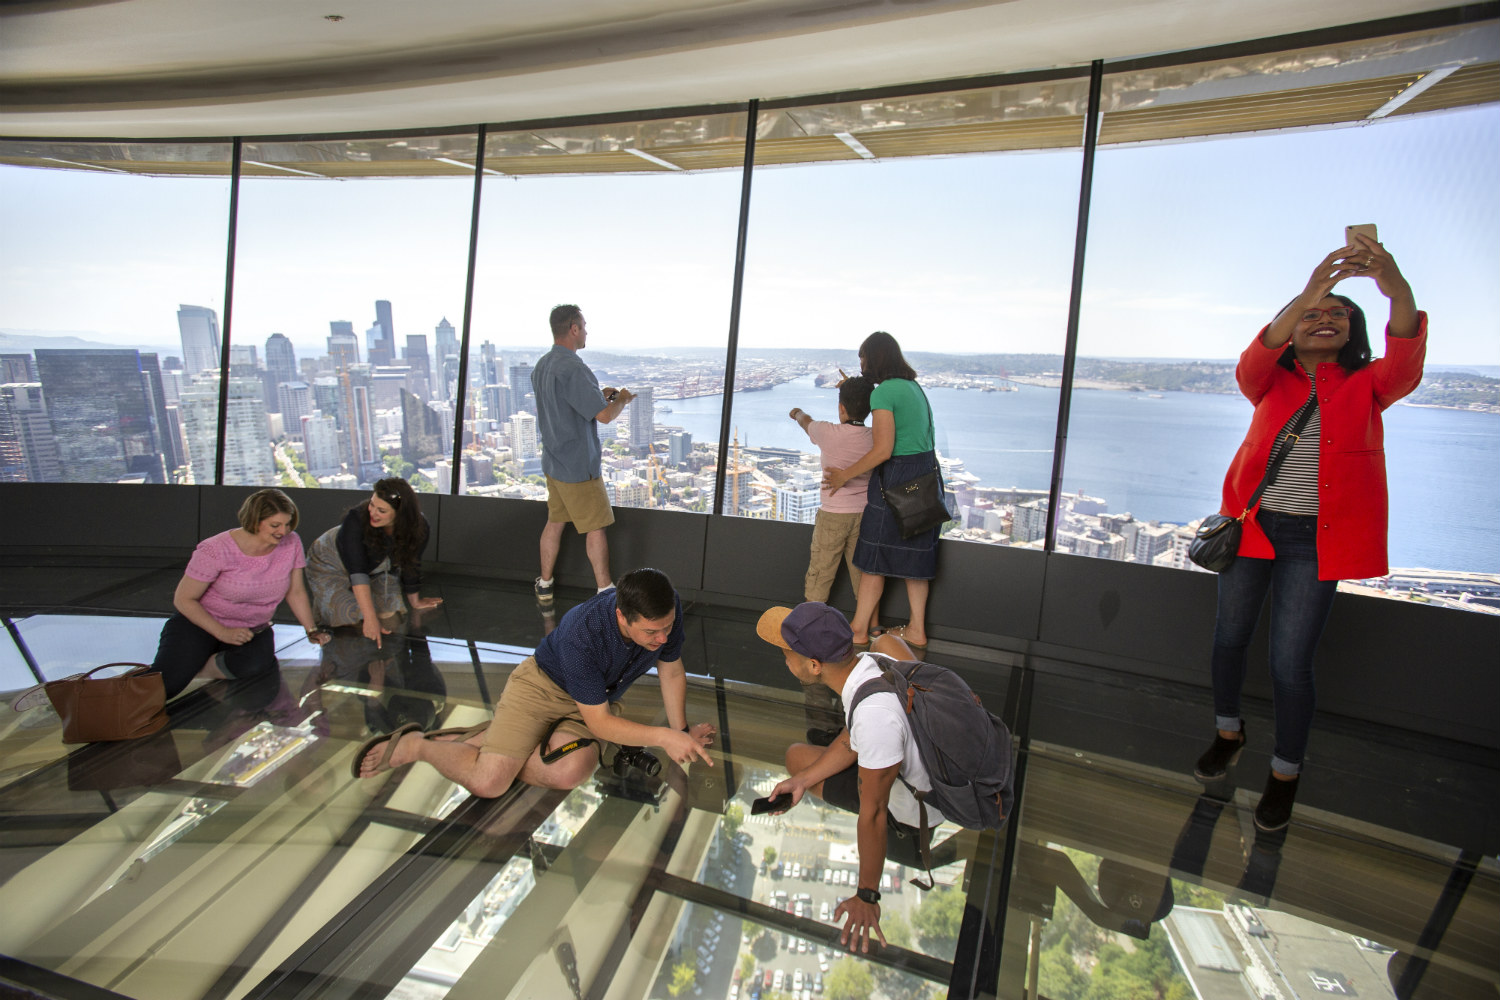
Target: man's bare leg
<point x="489" y="774"/>
<point x="551" y="542"/>
<point x="597" y="547"/>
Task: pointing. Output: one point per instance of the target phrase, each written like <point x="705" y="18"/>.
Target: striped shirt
<point x="1295" y="490"/>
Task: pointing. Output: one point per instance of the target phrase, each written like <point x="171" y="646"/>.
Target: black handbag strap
<point x="1285" y="448"/>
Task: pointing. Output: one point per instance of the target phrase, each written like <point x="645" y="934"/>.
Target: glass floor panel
<point x="233" y="855"/>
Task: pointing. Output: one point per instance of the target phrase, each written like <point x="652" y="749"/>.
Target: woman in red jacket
<point x="1324" y="518"/>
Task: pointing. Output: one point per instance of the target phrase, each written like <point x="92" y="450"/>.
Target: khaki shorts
<point x="834" y="537"/>
<point x="585" y="504"/>
<point x="531" y="706"/>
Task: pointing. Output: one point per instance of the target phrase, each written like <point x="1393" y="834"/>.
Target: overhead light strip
<point x="854" y="144"/>
<point x="1418" y="86"/>
<point x="653" y="159"/>
<point x="277" y="166"/>
<point x="86" y="166"/>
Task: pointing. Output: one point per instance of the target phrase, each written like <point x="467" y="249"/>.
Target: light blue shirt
<point x="567" y="400"/>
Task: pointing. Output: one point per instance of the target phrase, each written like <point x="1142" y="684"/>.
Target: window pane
<point x="1194" y="247"/>
<point x="635" y="223"/>
<point x="918" y="221"/>
<point x="349" y="291"/>
<point x="111" y="275"/>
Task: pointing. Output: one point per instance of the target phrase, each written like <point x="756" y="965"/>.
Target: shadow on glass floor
<point x="233" y="856"/>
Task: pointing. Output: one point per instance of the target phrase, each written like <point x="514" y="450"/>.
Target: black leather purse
<point x="1217" y="540"/>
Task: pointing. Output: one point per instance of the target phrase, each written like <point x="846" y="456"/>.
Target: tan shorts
<point x="834" y="537"/>
<point x="531" y="706"/>
<point x="585" y="504"/>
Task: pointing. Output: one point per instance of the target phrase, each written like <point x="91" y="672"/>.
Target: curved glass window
<point x="111" y="285"/>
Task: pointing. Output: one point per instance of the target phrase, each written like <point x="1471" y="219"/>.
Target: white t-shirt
<point x="881" y="735"/>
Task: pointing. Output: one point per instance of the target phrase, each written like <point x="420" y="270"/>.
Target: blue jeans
<point x="1300" y="603"/>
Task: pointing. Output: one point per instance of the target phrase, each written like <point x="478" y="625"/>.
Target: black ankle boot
<point x="1274" y="810"/>
<point x="1220" y="757"/>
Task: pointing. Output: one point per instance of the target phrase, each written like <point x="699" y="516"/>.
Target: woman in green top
<point x="903" y="450"/>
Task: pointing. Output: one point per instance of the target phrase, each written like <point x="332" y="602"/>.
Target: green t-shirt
<point x="908" y="408"/>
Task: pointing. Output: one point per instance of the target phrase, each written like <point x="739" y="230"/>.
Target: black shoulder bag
<point x="918" y="504"/>
<point x="1217" y="541"/>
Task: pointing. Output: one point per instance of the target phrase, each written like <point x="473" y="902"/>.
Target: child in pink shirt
<point x="836" y="529"/>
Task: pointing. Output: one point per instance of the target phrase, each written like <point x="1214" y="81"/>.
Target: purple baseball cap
<point x="812" y="629"/>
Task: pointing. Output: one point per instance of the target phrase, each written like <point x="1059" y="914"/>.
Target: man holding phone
<point x="569" y="407"/>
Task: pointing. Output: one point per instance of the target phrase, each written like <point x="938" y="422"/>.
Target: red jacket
<point x="1352" y="500"/>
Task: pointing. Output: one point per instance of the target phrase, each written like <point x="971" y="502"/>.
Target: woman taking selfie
<point x="358" y="571"/>
<point x="1323" y="519"/>
<point x="224" y="602"/>
<point x="903" y="450"/>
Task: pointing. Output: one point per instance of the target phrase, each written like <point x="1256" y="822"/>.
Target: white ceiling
<point x="155" y="68"/>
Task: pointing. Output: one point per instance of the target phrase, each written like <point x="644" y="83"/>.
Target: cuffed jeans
<point x="1300" y="603"/>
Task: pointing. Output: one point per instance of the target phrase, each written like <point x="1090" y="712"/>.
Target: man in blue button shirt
<point x="569" y="407"/>
<point x="568" y="690"/>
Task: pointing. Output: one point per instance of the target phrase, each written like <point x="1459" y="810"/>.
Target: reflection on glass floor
<point x="233" y="856"/>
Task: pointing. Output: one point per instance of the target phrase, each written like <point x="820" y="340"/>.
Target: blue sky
<point x="1192" y="246"/>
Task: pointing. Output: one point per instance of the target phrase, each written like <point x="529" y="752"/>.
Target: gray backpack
<point x="965" y="748"/>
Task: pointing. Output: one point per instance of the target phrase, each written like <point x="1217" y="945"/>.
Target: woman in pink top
<point x="225" y="599"/>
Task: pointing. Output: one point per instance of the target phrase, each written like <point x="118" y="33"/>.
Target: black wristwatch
<point x="867" y="895"/>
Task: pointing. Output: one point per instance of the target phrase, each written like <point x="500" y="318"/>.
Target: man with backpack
<point x="876" y="766"/>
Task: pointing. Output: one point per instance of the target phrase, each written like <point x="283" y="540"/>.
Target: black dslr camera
<point x="635" y="757"/>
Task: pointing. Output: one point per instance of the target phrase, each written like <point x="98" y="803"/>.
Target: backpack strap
<point x="890" y="681"/>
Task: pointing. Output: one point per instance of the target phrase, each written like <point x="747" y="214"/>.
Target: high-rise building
<point x="28" y="451"/>
<point x="320" y="443"/>
<point x="101" y="414"/>
<point x="294" y="401"/>
<point x="489" y="367"/>
<point x="199" y="328"/>
<point x="381" y="337"/>
<point x="445" y="371"/>
<point x="679" y="447"/>
<point x="17" y="368"/>
<point x="247" y="439"/>
<point x="525" y="444"/>
<point x="422" y="441"/>
<point x="799" y="498"/>
<point x="281" y="358"/>
<point x="497" y="401"/>
<point x="156" y="388"/>
<point x="642" y="420"/>
<point x="243" y="357"/>
<point x="522" y="396"/>
<point x="343" y="345"/>
<point x="362" y="444"/>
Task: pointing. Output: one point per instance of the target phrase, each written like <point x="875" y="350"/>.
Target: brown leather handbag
<point x="99" y="709"/>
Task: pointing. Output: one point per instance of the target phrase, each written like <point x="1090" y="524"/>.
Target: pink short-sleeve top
<point x="243" y="591"/>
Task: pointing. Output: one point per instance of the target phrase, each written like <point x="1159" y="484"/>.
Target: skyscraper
<point x="642" y="420"/>
<point x="294" y="401"/>
<point x="445" y="372"/>
<point x="101" y="414"/>
<point x="17" y="368"/>
<point x="420" y="363"/>
<point x="281" y="358"/>
<point x="199" y="327"/>
<point x="343" y="345"/>
<point x="422" y="432"/>
<point x="156" y="389"/>
<point x="679" y="447"/>
<point x="525" y="444"/>
<point x="521" y="394"/>
<point x="381" y="338"/>
<point x="320" y="441"/>
<point x="247" y="440"/>
<point x="28" y="451"/>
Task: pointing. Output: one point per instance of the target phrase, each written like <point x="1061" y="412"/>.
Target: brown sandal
<point x="462" y="732"/>
<point x="390" y="740"/>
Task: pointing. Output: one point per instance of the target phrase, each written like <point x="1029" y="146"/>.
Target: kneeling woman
<point x="226" y="597"/>
<point x="359" y="570"/>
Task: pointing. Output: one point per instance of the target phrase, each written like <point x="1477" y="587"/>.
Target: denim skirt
<point x="881" y="549"/>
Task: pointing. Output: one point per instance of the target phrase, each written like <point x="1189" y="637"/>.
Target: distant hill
<point x="22" y="341"/>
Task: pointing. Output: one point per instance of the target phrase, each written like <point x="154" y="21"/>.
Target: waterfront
<point x="1164" y="458"/>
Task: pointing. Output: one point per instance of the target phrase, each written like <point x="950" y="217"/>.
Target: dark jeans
<point x="184" y="648"/>
<point x="1300" y="603"/>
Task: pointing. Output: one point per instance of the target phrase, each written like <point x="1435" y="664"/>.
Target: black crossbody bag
<point x="1217" y="541"/>
<point x="918" y="504"/>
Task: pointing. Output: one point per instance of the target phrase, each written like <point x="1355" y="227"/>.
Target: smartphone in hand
<point x="1367" y="230"/>
<point x="779" y="804"/>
